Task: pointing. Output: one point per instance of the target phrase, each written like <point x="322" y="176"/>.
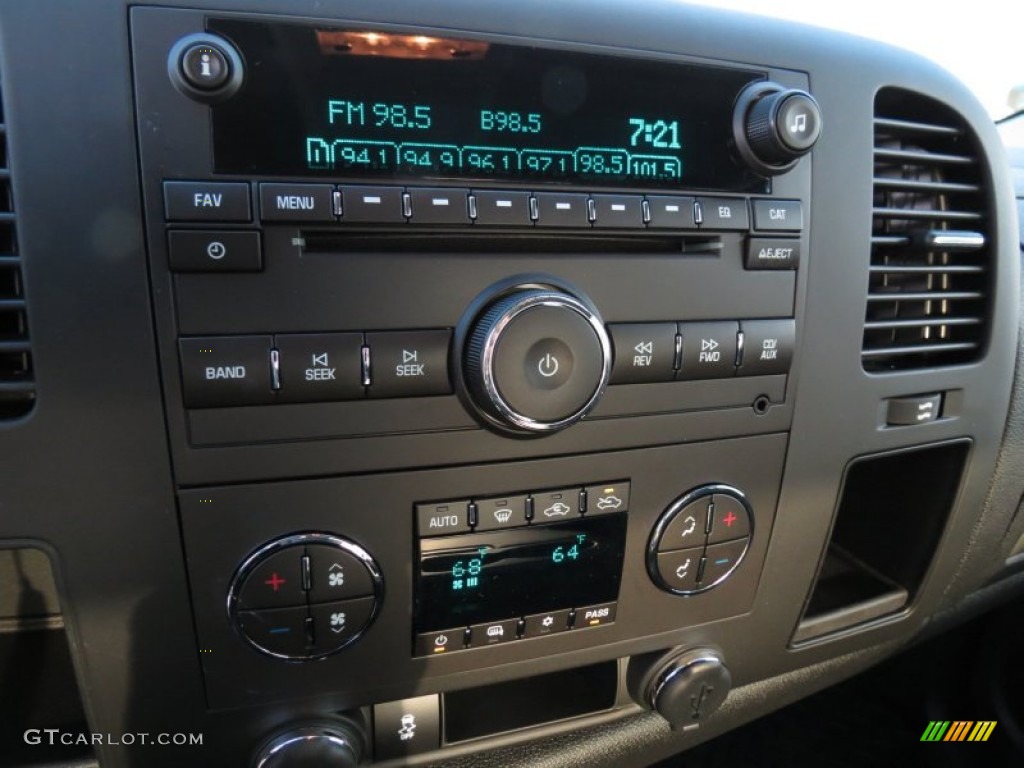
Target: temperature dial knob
<point x="537" y="360"/>
<point x="775" y="126"/>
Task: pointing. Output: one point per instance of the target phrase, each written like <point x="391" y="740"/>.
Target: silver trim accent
<point x="677" y="360"/>
<point x="303" y="539"/>
<point x="336" y="202"/>
<point x="739" y="349"/>
<point x="698" y="212"/>
<point x="407" y="205"/>
<point x="366" y="367"/>
<point x="534" y="207"/>
<point x="591" y="210"/>
<point x="471" y="206"/>
<point x="531" y="300"/>
<point x="645" y="210"/>
<point x="954" y="240"/>
<point x="275" y="369"/>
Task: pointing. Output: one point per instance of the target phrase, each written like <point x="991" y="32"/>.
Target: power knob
<point x="775" y="126"/>
<point x="536" y="360"/>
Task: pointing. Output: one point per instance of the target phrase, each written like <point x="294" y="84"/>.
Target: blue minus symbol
<point x="280" y="630"/>
<point x="721" y="561"/>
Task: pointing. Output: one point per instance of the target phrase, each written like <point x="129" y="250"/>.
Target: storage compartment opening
<point x="892" y="511"/>
<point x="502" y="707"/>
<point x="39" y="688"/>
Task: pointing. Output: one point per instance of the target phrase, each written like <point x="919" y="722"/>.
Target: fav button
<point x="206" y="201"/>
<point x="212" y="251"/>
<point x="409" y="363"/>
<point x="320" y="366"/>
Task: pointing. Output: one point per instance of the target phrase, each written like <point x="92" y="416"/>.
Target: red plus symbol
<point x="728" y="520"/>
<point x="275" y="581"/>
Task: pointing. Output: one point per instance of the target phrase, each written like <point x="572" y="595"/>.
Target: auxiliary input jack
<point x="761" y="405"/>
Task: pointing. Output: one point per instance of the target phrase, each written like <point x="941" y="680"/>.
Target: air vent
<point x="17" y="387"/>
<point x="931" y="245"/>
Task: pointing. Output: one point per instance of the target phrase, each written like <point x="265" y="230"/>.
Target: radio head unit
<point x="382" y="106"/>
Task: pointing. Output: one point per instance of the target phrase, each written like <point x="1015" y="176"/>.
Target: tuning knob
<point x="684" y="688"/>
<point x="775" y="126"/>
<point x="337" y="744"/>
<point x="537" y="359"/>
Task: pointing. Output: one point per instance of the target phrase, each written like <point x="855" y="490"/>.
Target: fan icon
<point x="337" y="619"/>
<point x="336" y="579"/>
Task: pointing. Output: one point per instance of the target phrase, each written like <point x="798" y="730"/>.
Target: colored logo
<point x="958" y="730"/>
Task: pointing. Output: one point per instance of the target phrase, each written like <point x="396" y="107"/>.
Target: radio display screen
<point x="490" y="576"/>
<point x="380" y="106"/>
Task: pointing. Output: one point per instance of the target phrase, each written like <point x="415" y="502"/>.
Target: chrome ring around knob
<point x="482" y="360"/>
<point x="313" y="745"/>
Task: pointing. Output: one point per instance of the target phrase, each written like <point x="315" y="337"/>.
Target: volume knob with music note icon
<point x="775" y="126"/>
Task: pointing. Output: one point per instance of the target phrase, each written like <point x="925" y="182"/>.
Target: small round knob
<point x="339" y="745"/>
<point x="775" y="126"/>
<point x="688" y="687"/>
<point x="537" y="360"/>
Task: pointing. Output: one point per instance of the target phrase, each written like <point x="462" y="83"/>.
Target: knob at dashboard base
<point x="339" y="745"/>
<point x="537" y="360"/>
<point x="684" y="688"/>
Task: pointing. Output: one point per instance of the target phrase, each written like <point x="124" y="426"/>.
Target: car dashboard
<point x="467" y="384"/>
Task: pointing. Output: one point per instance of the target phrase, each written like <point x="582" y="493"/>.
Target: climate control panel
<point x="305" y="596"/>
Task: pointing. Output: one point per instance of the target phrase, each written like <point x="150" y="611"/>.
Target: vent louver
<point x="17" y="387"/>
<point x="931" y="244"/>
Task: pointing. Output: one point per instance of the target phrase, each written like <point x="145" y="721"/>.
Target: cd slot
<point x="459" y="241"/>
